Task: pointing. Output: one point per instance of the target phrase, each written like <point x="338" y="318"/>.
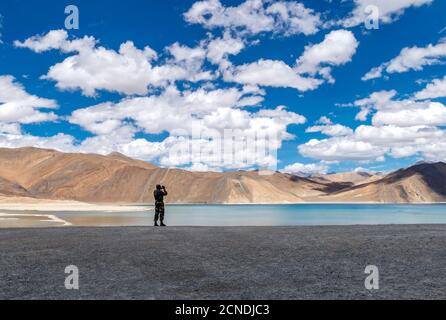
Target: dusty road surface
<point x="224" y="262"/>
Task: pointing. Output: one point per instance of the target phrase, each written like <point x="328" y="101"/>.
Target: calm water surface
<point x="269" y="215"/>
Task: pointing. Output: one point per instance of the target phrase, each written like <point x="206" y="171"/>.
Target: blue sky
<point x="293" y="69"/>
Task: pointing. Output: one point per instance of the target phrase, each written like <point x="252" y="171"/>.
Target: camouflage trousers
<point x="159" y="211"/>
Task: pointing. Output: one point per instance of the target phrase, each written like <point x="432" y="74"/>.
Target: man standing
<point x="159" y="194"/>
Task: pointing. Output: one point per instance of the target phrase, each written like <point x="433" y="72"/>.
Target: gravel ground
<point x="225" y="263"/>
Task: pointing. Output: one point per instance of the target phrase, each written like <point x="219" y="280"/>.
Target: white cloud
<point x="435" y="89"/>
<point x="324" y="120"/>
<point x="374" y="73"/>
<point x="193" y="119"/>
<point x="61" y="142"/>
<point x="219" y="49"/>
<point x="255" y="16"/>
<point x="200" y="167"/>
<point x="271" y="73"/>
<point x="133" y="71"/>
<point x="400" y="128"/>
<point x="206" y="111"/>
<point x="300" y="168"/>
<point x="411" y="58"/>
<point x="387" y="110"/>
<point x="341" y="149"/>
<point x="129" y="70"/>
<point x="333" y="130"/>
<point x="18" y="106"/>
<point x="10" y="128"/>
<point x="366" y="170"/>
<point x="337" y="48"/>
<point x="56" y="40"/>
<point x="370" y="143"/>
<point x="377" y="100"/>
<point x="389" y="10"/>
<point x="429" y="114"/>
<point x="392" y="135"/>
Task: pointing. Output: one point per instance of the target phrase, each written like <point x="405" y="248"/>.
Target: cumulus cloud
<point x="388" y="10"/>
<point x="412" y="114"/>
<point x="435" y="89"/>
<point x="327" y="127"/>
<point x="134" y="71"/>
<point x="337" y="48"/>
<point x="370" y="143"/>
<point x="387" y="110"/>
<point x="364" y="170"/>
<point x="341" y="149"/>
<point x="56" y="40"/>
<point x="202" y="119"/>
<point x="400" y="128"/>
<point x="410" y="58"/>
<point x="18" y="106"/>
<point x="219" y="49"/>
<point x="207" y="129"/>
<point x="61" y="141"/>
<point x="129" y="70"/>
<point x="255" y="16"/>
<point x="271" y="73"/>
<point x="374" y="73"/>
<point x="200" y="167"/>
<point x="392" y="135"/>
<point x="376" y="101"/>
<point x="310" y="71"/>
<point x="301" y="168"/>
<point x="324" y="120"/>
<point x="333" y="130"/>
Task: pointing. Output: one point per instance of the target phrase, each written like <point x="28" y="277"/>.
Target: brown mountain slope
<point x="116" y="178"/>
<point x="420" y="183"/>
<point x="8" y="188"/>
<point x="354" y="177"/>
<point x="139" y="163"/>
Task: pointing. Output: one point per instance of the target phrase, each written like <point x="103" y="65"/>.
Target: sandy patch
<point x="29" y="204"/>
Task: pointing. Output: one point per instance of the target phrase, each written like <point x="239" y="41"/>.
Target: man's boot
<point x="156" y="224"/>
<point x="162" y="224"/>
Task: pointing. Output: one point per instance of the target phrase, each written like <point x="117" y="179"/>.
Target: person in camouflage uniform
<point x="159" y="194"/>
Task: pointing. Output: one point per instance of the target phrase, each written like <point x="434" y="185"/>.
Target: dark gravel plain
<point x="224" y="262"/>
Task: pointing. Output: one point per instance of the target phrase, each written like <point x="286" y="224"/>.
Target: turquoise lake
<point x="269" y="215"/>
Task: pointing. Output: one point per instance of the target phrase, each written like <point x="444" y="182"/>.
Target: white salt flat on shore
<point x="30" y="204"/>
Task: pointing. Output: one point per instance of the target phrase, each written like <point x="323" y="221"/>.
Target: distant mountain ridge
<point x="116" y="178"/>
<point x="424" y="182"/>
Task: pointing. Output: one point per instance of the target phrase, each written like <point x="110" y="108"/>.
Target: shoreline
<point x="41" y="205"/>
<point x="26" y="204"/>
<point x="298" y="203"/>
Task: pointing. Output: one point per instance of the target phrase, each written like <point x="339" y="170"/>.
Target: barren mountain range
<point x="48" y="174"/>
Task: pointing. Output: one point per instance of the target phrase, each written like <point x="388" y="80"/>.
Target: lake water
<point x="269" y="215"/>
